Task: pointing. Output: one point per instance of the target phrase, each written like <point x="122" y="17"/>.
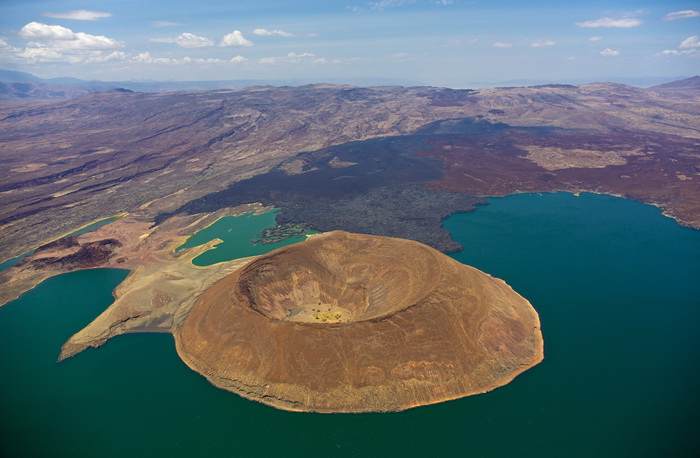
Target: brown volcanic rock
<point x="356" y="323"/>
<point x="71" y="162"/>
<point x="67" y="163"/>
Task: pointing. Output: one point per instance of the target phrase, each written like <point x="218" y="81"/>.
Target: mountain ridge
<point x="12" y="76"/>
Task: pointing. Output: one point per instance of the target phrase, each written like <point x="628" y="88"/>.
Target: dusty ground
<point x="67" y="163"/>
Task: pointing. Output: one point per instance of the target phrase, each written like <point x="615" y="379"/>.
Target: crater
<point x="352" y="281"/>
<point x="357" y="323"/>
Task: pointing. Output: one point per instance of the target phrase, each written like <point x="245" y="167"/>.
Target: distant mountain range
<point x="21" y="85"/>
<point x="688" y="83"/>
<point x="15" y="85"/>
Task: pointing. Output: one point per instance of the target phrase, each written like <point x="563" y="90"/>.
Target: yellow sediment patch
<point x="319" y="313"/>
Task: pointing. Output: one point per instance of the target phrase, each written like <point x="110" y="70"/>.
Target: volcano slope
<point x="357" y="323"/>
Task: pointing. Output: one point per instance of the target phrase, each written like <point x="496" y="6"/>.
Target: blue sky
<point x="436" y="42"/>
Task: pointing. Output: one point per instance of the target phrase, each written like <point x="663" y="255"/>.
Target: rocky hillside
<point x="67" y="163"/>
<point x="38" y="91"/>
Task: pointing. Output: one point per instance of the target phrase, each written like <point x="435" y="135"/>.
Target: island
<point x="356" y="323"/>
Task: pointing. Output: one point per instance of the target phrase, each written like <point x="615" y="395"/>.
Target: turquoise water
<point x="237" y="233"/>
<point x="615" y="284"/>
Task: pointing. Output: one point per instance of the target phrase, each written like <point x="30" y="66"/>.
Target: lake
<point x="615" y="284"/>
<point x="237" y="234"/>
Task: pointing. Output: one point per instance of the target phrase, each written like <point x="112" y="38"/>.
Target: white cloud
<point x="610" y="22"/>
<point x="384" y="4"/>
<point x="79" y="15"/>
<point x="50" y="43"/>
<point x="54" y="43"/>
<point x="675" y="52"/>
<point x="146" y="58"/>
<point x="541" y="43"/>
<point x="186" y="40"/>
<point x="291" y="58"/>
<point x="55" y="36"/>
<point x="681" y="15"/>
<point x="235" y="39"/>
<point x="36" y="30"/>
<point x="595" y="38"/>
<point x="501" y="44"/>
<point x="191" y="60"/>
<point x="6" y="47"/>
<point x="164" y="23"/>
<point x="111" y="57"/>
<point x="265" y="32"/>
<point x="691" y="42"/>
<point x="42" y="54"/>
<point x="609" y="52"/>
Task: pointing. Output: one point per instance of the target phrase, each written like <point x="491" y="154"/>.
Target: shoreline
<point x="9" y="276"/>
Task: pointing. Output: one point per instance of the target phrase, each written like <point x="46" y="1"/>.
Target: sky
<point x="433" y="42"/>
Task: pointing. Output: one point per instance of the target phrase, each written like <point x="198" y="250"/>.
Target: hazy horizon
<point x="433" y="42"/>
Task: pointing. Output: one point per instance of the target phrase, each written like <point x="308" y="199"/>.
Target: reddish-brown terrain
<point x="356" y="323"/>
<point x="656" y="168"/>
<point x="65" y="164"/>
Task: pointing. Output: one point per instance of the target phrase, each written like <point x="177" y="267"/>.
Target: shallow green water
<point x="236" y="233"/>
<point x="615" y="284"/>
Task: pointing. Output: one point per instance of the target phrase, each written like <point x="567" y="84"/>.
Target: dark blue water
<point x="616" y="287"/>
